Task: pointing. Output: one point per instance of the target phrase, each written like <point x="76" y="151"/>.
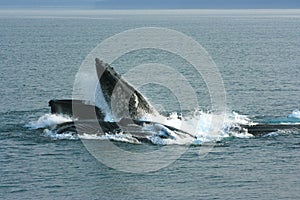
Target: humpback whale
<point x="122" y="98"/>
<point x="129" y="105"/>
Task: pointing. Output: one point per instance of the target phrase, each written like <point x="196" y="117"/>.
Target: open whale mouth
<point x="129" y="107"/>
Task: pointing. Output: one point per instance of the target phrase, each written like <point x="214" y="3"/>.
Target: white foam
<point x="272" y="134"/>
<point x="48" y="120"/>
<point x="295" y="114"/>
<point x="120" y="137"/>
<point x="200" y="128"/>
<point x="244" y="135"/>
<point x="177" y="140"/>
<point x="62" y="136"/>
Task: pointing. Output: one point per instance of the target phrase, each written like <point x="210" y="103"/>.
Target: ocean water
<point x="256" y="52"/>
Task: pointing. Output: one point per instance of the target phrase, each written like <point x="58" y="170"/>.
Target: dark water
<point x="257" y="55"/>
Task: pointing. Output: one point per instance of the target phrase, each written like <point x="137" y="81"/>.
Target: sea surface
<point x="257" y="53"/>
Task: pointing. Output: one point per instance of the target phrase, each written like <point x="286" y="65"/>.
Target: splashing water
<point x="49" y="120"/>
<point x="295" y="114"/>
<point x="62" y="136"/>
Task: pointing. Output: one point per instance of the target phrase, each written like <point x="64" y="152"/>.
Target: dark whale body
<point x="131" y="106"/>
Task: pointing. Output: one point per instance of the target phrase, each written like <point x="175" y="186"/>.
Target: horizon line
<point x="66" y="12"/>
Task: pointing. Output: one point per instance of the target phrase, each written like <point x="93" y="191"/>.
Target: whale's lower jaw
<point x="126" y="126"/>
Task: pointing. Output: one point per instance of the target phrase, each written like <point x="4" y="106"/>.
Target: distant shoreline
<point x="64" y="11"/>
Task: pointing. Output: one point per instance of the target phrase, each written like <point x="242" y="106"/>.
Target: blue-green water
<point x="258" y="55"/>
